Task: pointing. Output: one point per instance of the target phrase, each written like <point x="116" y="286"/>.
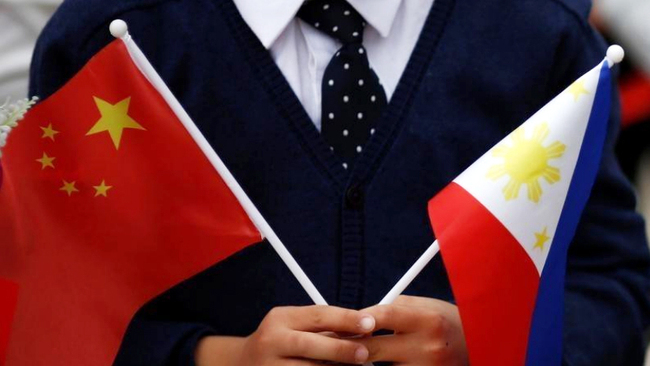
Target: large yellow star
<point x="69" y="188"/>
<point x="115" y="119"/>
<point x="578" y="88"/>
<point x="542" y="238"/>
<point x="46" y="161"/>
<point x="102" y="189"/>
<point x="49" y="132"/>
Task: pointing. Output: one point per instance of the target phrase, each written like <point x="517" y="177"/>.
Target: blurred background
<point x="22" y="21"/>
<point x="626" y="22"/>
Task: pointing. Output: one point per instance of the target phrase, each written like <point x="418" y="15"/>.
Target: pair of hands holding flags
<point x="426" y="332"/>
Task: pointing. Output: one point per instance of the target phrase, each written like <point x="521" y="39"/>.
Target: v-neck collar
<point x="288" y="105"/>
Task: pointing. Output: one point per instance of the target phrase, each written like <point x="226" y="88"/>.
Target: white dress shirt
<point x="302" y="53"/>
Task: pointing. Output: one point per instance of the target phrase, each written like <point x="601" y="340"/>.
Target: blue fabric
<point x="545" y="340"/>
<point x="479" y="70"/>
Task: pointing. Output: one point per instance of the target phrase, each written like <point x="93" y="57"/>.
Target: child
<point x="344" y="178"/>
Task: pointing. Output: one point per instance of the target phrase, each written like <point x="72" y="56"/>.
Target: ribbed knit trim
<point x="351" y="279"/>
<point x="394" y="116"/>
<point x="291" y="109"/>
<point x="282" y="96"/>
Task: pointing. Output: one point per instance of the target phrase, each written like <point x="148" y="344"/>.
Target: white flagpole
<point x="615" y="55"/>
<point x="119" y="29"/>
<point x="410" y="275"/>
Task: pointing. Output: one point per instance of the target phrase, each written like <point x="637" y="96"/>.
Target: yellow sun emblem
<point x="525" y="161"/>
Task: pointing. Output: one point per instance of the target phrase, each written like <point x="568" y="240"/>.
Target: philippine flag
<point x="505" y="224"/>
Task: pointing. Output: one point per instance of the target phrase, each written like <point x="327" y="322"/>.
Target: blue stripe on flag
<point x="545" y="340"/>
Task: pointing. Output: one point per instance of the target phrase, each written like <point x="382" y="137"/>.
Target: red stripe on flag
<point x="8" y="300"/>
<point x="493" y="279"/>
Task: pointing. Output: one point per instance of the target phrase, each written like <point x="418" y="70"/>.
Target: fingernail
<point x="367" y="323"/>
<point x="361" y="354"/>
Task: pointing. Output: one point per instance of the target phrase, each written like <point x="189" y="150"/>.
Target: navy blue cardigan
<point x="479" y="69"/>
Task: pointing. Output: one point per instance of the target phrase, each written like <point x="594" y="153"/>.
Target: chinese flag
<point x="107" y="201"/>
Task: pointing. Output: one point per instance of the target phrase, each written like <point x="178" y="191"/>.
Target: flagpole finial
<point x="615" y="54"/>
<point x="119" y="28"/>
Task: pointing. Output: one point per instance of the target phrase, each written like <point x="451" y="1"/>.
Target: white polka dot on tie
<point x="347" y="12"/>
<point x="331" y="82"/>
<point x="332" y="148"/>
<point x="361" y="51"/>
<point x="346" y="132"/>
<point x="346" y="99"/>
<point x="345" y="165"/>
<point x="373" y="99"/>
<point x="360" y="115"/>
<point x="360" y="82"/>
<point x="346" y="66"/>
<point x="326" y="6"/>
<point x="372" y="131"/>
<point x="359" y="149"/>
<point x="355" y="34"/>
<point x="331" y="116"/>
<point x="338" y="54"/>
<point x="335" y="29"/>
<point x="317" y="24"/>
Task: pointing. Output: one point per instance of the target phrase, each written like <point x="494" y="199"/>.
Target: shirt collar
<point x="380" y="14"/>
<point x="268" y="18"/>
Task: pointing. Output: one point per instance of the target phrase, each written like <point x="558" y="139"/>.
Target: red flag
<point x="8" y="297"/>
<point x="107" y="201"/>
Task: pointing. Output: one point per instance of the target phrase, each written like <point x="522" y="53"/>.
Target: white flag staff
<point x="615" y="54"/>
<point x="410" y="275"/>
<point x="119" y="29"/>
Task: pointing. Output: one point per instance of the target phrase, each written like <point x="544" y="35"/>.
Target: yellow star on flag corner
<point x="69" y="188"/>
<point x="115" y="119"/>
<point x="102" y="189"/>
<point x="46" y="161"/>
<point x="577" y="89"/>
<point x="49" y="132"/>
<point x="542" y="238"/>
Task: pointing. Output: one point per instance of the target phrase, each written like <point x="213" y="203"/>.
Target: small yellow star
<point x="115" y="119"/>
<point x="102" y="189"/>
<point x="49" y="132"/>
<point x="69" y="188"/>
<point x="46" y="161"/>
<point x="578" y="88"/>
<point x="542" y="238"/>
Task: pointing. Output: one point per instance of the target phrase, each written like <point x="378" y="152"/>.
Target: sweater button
<point x="354" y="197"/>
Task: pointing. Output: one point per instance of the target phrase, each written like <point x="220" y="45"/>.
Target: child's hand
<point x="288" y="336"/>
<point x="427" y="332"/>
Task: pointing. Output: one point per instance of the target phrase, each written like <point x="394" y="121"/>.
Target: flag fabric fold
<point x="107" y="202"/>
<point x="505" y="224"/>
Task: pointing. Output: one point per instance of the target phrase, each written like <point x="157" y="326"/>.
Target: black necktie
<point x="353" y="98"/>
